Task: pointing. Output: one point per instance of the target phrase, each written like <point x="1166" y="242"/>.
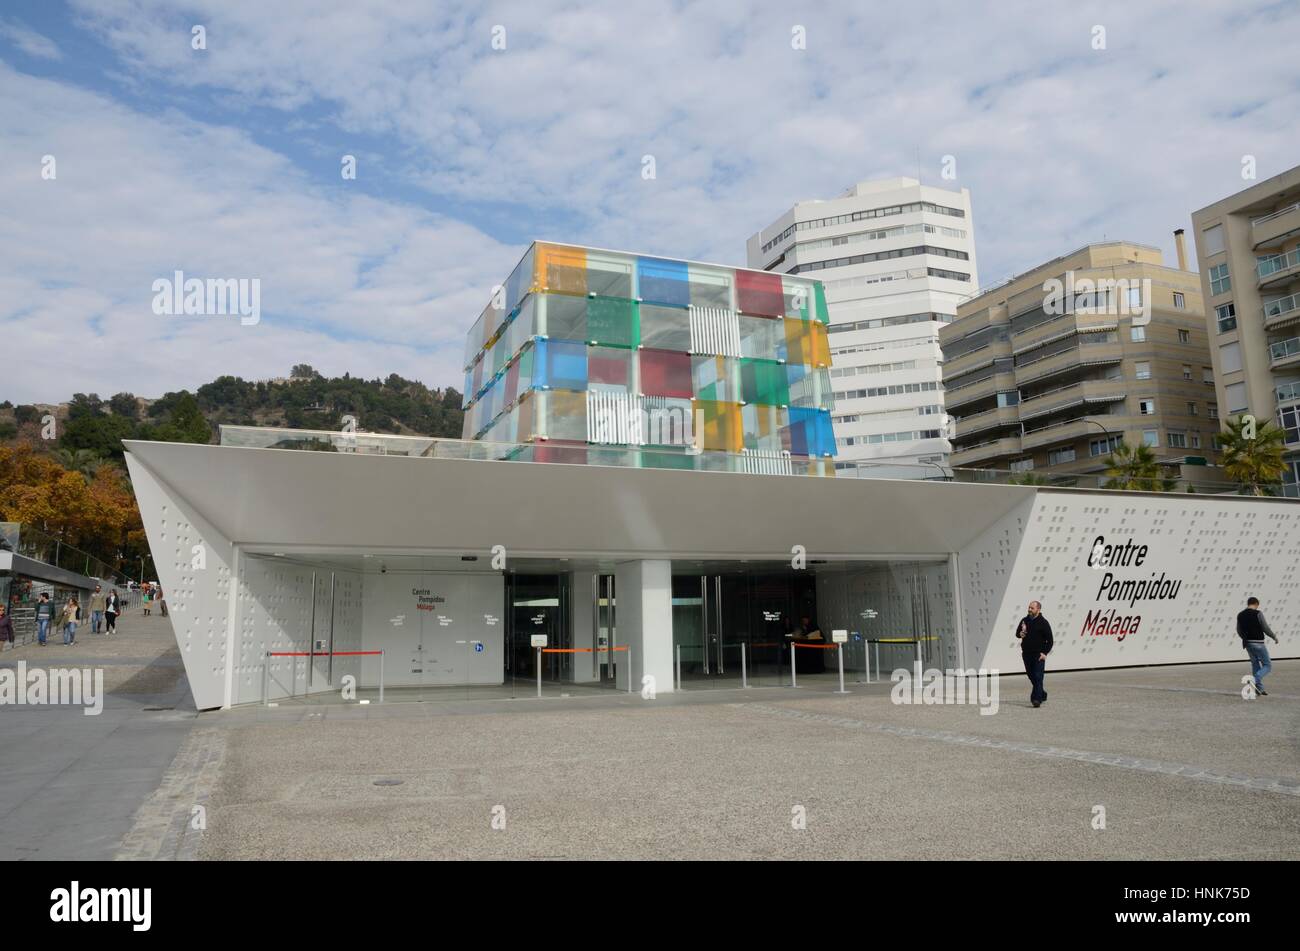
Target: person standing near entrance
<point x="1035" y="636"/>
<point x="96" y="609"/>
<point x="44" y="618"/>
<point x="1251" y="628"/>
<point x="112" y="607"/>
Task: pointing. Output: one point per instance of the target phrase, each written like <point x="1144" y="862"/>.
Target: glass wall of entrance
<point x="749" y="621"/>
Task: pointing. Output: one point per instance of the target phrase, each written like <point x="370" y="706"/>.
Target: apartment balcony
<point x="1288" y="393"/>
<point x="1074" y="394"/>
<point x="987" y="421"/>
<point x="1276" y="227"/>
<point x="1069" y="431"/>
<point x="1062" y="326"/>
<point x="969" y="361"/>
<point x="1282" y="313"/>
<point x="1279" y="271"/>
<point x="974" y="392"/>
<point x="1284" y="354"/>
<point x="969" y="456"/>
<point x="1068" y="361"/>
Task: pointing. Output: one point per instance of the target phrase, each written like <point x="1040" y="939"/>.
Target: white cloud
<point x="348" y="282"/>
<point x="29" y="41"/>
<point x="1047" y="131"/>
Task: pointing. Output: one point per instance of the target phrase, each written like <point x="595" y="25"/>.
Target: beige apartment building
<point x="1051" y="370"/>
<point x="1248" y="250"/>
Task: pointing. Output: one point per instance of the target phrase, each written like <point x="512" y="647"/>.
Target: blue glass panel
<point x="562" y="365"/>
<point x="811" y="433"/>
<point x="663" y="282"/>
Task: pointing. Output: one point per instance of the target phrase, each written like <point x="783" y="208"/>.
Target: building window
<point x="1220" y="280"/>
<point x="1184" y="336"/>
<point x="1212" y="240"/>
<point x="1151" y="437"/>
<point x="1058" y="456"/>
<point x="1146" y="407"/>
<point x="1022" y="465"/>
<point x="1212" y="411"/>
<point x="1103" y="447"/>
<point x="1289" y="417"/>
<point x="1237" y="401"/>
<point x="1230" y="357"/>
<point x="1187" y="372"/>
<point x="1196" y="440"/>
<point x="1207" y="376"/>
<point x="1216" y="443"/>
<point x="1138" y="334"/>
<point x="1143" y="370"/>
<point x="1191" y="409"/>
<point x="1178" y="440"/>
<point x="1227" y="317"/>
<point x="1179" y="301"/>
<point x="1009" y="398"/>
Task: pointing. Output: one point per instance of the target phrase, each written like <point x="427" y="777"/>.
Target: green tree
<point x="124" y="404"/>
<point x="86" y="462"/>
<point x="1135" y="468"/>
<point x="185" y="423"/>
<point x="1253" y="462"/>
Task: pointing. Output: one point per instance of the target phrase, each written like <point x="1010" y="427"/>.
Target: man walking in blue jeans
<point x="1251" y="628"/>
<point x="1035" y="644"/>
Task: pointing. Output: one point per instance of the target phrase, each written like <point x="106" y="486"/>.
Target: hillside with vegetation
<point x="62" y="468"/>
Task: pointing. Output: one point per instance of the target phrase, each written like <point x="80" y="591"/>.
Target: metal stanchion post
<point x="629" y="669"/>
<point x="539" y="673"/>
<point x="918" y="650"/>
<point x="794" y="680"/>
<point x="266" y="673"/>
<point x="840" y="653"/>
<point x="381" y="676"/>
<point x="679" y="666"/>
<point x="744" y="668"/>
<point x="876" y="648"/>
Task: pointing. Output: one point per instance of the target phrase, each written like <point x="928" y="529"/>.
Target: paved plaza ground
<point x="1182" y="766"/>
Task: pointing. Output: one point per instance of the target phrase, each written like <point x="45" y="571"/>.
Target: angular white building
<point x="895" y="258"/>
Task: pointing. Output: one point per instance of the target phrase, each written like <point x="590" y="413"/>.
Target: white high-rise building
<point x="895" y="257"/>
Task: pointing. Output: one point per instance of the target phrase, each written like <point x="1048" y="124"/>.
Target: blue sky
<point x="225" y="162"/>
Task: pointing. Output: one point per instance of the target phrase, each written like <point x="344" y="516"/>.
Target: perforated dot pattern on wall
<point x="1200" y="560"/>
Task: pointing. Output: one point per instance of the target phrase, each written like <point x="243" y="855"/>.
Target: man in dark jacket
<point x="1251" y="628"/>
<point x="1035" y="636"/>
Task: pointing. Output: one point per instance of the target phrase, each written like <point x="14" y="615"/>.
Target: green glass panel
<point x="764" y="381"/>
<point x="612" y="322"/>
<point x="667" y="460"/>
<point x="819" y="295"/>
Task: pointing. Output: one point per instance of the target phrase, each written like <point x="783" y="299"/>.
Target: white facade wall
<point x="867" y="428"/>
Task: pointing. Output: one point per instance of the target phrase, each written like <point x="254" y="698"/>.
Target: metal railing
<point x="1276" y="214"/>
<point x="1279" y="262"/>
<point x="1284" y="349"/>
<point x="1283" y="306"/>
<point x="31" y="542"/>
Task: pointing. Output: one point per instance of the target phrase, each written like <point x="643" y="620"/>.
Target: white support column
<point x="645" y="621"/>
<point x="582" y="590"/>
<point x="958" y="621"/>
<point x="232" y="627"/>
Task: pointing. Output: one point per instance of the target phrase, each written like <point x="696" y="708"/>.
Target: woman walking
<point x="69" y="621"/>
<point x="6" y="629"/>
<point x="112" y="607"/>
<point x="145" y="598"/>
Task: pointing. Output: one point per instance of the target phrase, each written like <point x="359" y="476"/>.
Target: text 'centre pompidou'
<point x="590" y="356"/>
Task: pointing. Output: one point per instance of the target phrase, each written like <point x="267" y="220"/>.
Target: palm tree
<point x="1135" y="468"/>
<point x="1254" y="463"/>
<point x="1029" y="478"/>
<point x="84" y="461"/>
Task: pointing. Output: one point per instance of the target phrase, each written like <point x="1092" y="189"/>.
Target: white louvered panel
<point x="613" y="418"/>
<point x="766" y="462"/>
<point x="715" y="330"/>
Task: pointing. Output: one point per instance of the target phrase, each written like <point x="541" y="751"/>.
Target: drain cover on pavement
<point x="389" y="782"/>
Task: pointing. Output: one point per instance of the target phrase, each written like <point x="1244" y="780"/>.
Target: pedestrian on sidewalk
<point x="6" y="629"/>
<point x="145" y="598"/>
<point x="96" y="609"/>
<point x="112" y="608"/>
<point x="44" y="618"/>
<point x="69" y="621"/>
<point x="1251" y="628"/>
<point x="1035" y="644"/>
